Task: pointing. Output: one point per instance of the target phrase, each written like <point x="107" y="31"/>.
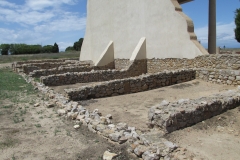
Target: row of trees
<point x="76" y="46"/>
<point x="27" y="49"/>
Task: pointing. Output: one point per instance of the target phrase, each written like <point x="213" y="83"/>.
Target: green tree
<point x="237" y="22"/>
<point x="5" y="48"/>
<point x="47" y="49"/>
<point x="78" y="45"/>
<point x="25" y="49"/>
<point x="55" y="48"/>
<point x="70" y="48"/>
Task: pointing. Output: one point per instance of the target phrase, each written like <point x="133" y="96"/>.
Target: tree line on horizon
<point x="16" y="49"/>
<point x="76" y="46"/>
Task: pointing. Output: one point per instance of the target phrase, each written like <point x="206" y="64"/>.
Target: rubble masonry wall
<point x="211" y="61"/>
<point x="184" y="113"/>
<point x="130" y="85"/>
<point x="136" y="68"/>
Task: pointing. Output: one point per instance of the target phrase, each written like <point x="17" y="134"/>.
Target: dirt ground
<point x="28" y="132"/>
<point x="133" y="108"/>
<point x="217" y="138"/>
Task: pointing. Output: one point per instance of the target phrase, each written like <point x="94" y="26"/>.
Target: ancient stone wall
<point x="158" y="65"/>
<point x="19" y="64"/>
<point x="121" y="63"/>
<point x="130" y="85"/>
<point x="101" y="124"/>
<point x="184" y="113"/>
<point x="135" y="69"/>
<point x="69" y="68"/>
<point x="218" y="61"/>
<point x="212" y="61"/>
<point x="27" y="68"/>
<point x="229" y="77"/>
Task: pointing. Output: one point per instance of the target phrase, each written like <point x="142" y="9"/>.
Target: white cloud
<point x="29" y="37"/>
<point x="7" y="4"/>
<point x="22" y="36"/>
<point x="225" y="33"/>
<point x="40" y="22"/>
<point x="63" y="45"/>
<point x="42" y="4"/>
<point x="34" y="12"/>
<point x="7" y="35"/>
<point x="67" y="23"/>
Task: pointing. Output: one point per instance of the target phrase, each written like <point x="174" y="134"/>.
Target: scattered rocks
<point x="121" y="126"/>
<point x="72" y="115"/>
<point x="76" y="126"/>
<point x="109" y="156"/>
<point x="109" y="116"/>
<point x="36" y="105"/>
<point x="61" y="112"/>
<point x="150" y="156"/>
<point x="115" y="136"/>
<point x="123" y="140"/>
<point x="49" y="105"/>
<point x="139" y="150"/>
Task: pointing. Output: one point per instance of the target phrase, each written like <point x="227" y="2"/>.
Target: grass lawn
<point x="13" y="58"/>
<point x="11" y="85"/>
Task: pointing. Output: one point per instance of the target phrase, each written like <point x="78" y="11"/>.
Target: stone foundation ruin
<point x="125" y="76"/>
<point x="123" y="55"/>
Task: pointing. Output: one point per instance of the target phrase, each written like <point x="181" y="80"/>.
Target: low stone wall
<point x="27" y="68"/>
<point x="69" y="68"/>
<point x="130" y="85"/>
<point x="158" y="65"/>
<point x="121" y="63"/>
<point x="19" y="64"/>
<point x="184" y="113"/>
<point x="101" y="124"/>
<point x="135" y="69"/>
<point x="229" y="77"/>
<point x="211" y="61"/>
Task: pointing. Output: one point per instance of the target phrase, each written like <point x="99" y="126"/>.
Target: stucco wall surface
<point x="125" y="22"/>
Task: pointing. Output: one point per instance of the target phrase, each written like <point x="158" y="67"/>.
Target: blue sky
<point x="64" y="21"/>
<point x="198" y="12"/>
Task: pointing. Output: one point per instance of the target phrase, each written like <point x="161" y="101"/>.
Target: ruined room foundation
<point x="129" y="77"/>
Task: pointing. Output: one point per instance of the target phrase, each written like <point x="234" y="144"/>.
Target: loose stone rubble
<point x="109" y="156"/>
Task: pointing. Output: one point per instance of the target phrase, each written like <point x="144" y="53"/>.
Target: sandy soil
<point x="4" y="65"/>
<point x="133" y="108"/>
<point x="41" y="134"/>
<point x="217" y="138"/>
<point x="28" y="132"/>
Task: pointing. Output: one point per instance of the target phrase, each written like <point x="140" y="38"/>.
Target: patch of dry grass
<point x="13" y="58"/>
